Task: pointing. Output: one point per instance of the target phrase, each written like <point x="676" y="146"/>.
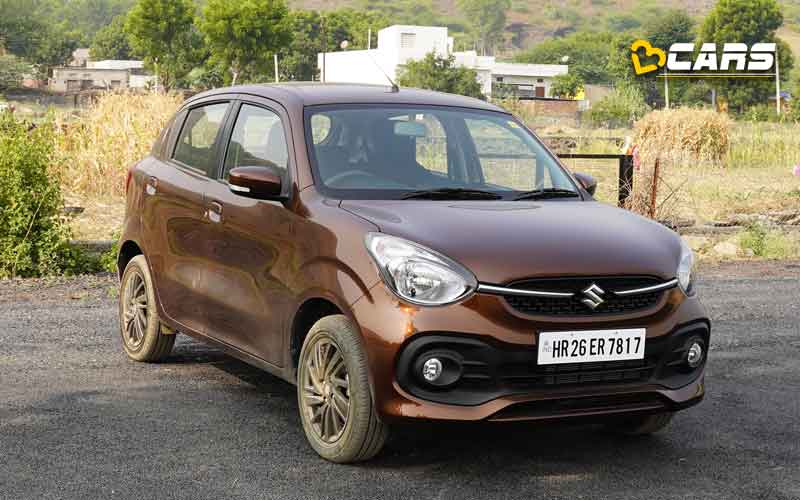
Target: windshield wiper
<point x="451" y="194"/>
<point x="538" y="194"/>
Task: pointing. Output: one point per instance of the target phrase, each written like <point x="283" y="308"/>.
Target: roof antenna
<point x="395" y="87"/>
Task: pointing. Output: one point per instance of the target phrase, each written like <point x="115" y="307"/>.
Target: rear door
<point x="174" y="215"/>
<point x="252" y="244"/>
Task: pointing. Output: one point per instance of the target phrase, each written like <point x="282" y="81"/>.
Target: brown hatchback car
<point x="404" y="254"/>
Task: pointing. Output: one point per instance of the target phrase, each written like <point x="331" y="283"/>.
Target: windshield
<point x="371" y="152"/>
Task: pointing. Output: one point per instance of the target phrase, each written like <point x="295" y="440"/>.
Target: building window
<point x="499" y="79"/>
<point x="407" y="40"/>
<point x="540" y="80"/>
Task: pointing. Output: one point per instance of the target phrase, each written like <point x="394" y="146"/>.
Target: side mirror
<point x="588" y="182"/>
<point x="260" y="183"/>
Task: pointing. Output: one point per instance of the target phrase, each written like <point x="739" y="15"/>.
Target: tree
<point x="54" y="49"/>
<point x="298" y="60"/>
<point x="566" y="86"/>
<point x="162" y="31"/>
<point x="12" y="71"/>
<point x="746" y="21"/>
<point x="244" y="35"/>
<point x="412" y="12"/>
<point x="441" y="73"/>
<point x="35" y="40"/>
<point x="673" y="26"/>
<point x="487" y="20"/>
<point x="587" y="54"/>
<point x="112" y="42"/>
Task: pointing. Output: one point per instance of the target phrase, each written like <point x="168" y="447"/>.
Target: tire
<point x="337" y="432"/>
<point x="143" y="337"/>
<point x="642" y="425"/>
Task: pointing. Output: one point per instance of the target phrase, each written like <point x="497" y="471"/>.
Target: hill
<point x="530" y="22"/>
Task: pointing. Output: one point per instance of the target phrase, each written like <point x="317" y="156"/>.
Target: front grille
<point x="577" y="373"/>
<point x="572" y="306"/>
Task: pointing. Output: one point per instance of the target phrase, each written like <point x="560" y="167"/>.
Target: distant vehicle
<point x="403" y="254"/>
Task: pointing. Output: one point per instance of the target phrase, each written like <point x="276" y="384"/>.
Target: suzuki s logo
<point x="594" y="296"/>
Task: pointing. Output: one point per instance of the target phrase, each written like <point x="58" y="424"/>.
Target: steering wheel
<point x="350" y="173"/>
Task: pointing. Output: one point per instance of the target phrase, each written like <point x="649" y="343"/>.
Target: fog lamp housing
<point x="695" y="354"/>
<point x="439" y="368"/>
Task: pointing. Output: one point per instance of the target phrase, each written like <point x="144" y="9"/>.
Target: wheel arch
<point x="127" y="251"/>
<point x="311" y="310"/>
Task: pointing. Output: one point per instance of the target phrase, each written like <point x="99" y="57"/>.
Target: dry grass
<point x="753" y="176"/>
<point x="94" y="150"/>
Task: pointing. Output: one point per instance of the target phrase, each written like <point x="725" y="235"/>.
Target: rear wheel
<point x="642" y="424"/>
<point x="143" y="337"/>
<point x="333" y="393"/>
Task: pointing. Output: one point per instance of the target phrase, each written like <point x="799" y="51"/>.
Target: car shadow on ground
<point x="577" y="442"/>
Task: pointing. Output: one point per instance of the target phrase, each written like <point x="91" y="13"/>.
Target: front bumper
<point x="516" y="388"/>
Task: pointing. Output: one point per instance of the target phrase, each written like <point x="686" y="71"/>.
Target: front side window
<point x="370" y="152"/>
<point x="198" y="143"/>
<point x="258" y="140"/>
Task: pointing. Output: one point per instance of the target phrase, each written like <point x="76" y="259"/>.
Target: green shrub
<point x="620" y="108"/>
<point x="108" y="259"/>
<point x="761" y="113"/>
<point x="33" y="240"/>
<point x="767" y="244"/>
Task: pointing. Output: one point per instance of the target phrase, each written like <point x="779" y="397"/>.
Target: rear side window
<point x="199" y="140"/>
<point x="159" y="145"/>
<point x="257" y="141"/>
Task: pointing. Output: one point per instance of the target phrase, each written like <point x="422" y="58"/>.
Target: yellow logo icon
<point x="649" y="50"/>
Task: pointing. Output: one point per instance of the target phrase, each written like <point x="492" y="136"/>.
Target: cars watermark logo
<point x="737" y="60"/>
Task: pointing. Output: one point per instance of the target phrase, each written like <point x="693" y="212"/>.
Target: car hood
<point x="504" y="241"/>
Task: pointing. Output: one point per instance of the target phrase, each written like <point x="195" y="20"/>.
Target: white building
<point x="399" y="44"/>
<point x="108" y="74"/>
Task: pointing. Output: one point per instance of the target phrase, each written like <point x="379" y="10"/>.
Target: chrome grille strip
<point x="655" y="288"/>
<point x="501" y="290"/>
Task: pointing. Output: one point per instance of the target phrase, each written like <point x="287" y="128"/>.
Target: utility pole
<point x="777" y="83"/>
<point x="369" y="38"/>
<point x="324" y="48"/>
<point x="275" y="58"/>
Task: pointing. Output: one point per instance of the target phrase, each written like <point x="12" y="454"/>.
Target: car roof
<point x="315" y="93"/>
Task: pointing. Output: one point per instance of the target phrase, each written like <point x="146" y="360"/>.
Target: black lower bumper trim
<point x="489" y="369"/>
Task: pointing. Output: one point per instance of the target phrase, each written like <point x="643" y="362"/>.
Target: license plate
<point x="588" y="346"/>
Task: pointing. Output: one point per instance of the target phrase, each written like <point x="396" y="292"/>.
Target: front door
<point x="251" y="242"/>
<point x="173" y="215"/>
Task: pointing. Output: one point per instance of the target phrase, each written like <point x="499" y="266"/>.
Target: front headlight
<point x="685" y="267"/>
<point x="417" y="274"/>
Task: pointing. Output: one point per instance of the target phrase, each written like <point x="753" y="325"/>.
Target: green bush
<point x="767" y="244"/>
<point x="108" y="259"/>
<point x="761" y="113"/>
<point x="33" y="240"/>
<point x="620" y="108"/>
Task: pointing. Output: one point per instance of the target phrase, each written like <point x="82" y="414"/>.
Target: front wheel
<point x="143" y="337"/>
<point x="333" y="394"/>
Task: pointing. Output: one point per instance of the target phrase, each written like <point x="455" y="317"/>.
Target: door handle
<point x="214" y="211"/>
<point x="152" y="185"/>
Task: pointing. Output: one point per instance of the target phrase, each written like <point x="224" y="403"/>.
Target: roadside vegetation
<point x="733" y="165"/>
<point x="34" y="240"/>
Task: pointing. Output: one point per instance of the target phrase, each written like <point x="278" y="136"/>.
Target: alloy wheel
<point x="326" y="390"/>
<point x="134" y="311"/>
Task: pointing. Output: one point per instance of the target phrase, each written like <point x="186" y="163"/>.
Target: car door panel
<point x="176" y="229"/>
<point x="252" y="249"/>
